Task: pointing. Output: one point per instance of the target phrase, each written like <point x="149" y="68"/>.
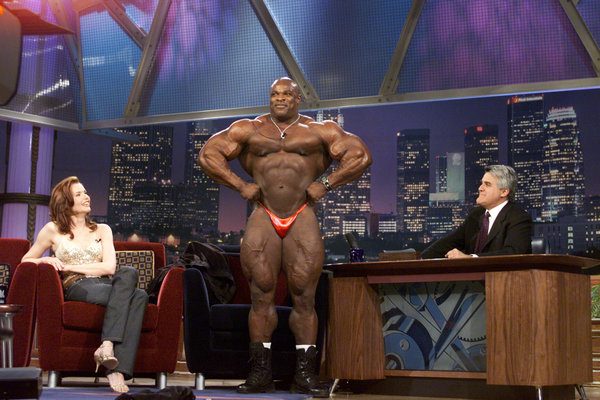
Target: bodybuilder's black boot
<point x="305" y="379"/>
<point x="260" y="378"/>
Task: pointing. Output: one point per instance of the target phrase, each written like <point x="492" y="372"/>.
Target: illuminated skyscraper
<point x="353" y="198"/>
<point x="134" y="163"/>
<point x="157" y="209"/>
<point x="386" y="223"/>
<point x="198" y="133"/>
<point x="358" y="224"/>
<point x="445" y="213"/>
<point x="412" y="197"/>
<point x="481" y="150"/>
<point x="439" y="219"/>
<point x="592" y="208"/>
<point x="446" y="208"/>
<point x="199" y="202"/>
<point x="441" y="174"/>
<point x="525" y="149"/>
<point x="563" y="186"/>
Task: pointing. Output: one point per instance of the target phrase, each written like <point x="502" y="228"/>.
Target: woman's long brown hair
<point x="61" y="206"/>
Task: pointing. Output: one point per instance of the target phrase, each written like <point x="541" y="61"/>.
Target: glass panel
<point x="141" y="12"/>
<point x="212" y="55"/>
<point x="110" y="60"/>
<point x="343" y="47"/>
<point x="48" y="83"/>
<point x="590" y="12"/>
<point x="463" y="43"/>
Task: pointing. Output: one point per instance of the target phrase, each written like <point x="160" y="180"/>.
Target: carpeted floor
<point x="103" y="393"/>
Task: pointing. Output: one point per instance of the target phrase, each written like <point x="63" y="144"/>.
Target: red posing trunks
<point x="283" y="225"/>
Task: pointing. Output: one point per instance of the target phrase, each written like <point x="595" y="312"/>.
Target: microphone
<point x="351" y="240"/>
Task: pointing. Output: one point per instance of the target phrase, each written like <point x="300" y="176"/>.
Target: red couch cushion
<point x="89" y="317"/>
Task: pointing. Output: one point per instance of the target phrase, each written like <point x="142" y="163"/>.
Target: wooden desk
<point x="538" y="317"/>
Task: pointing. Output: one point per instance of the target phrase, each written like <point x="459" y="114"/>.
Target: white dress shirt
<point x="494" y="214"/>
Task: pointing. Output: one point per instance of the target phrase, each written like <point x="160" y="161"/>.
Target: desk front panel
<point x="434" y="326"/>
<point x="539" y="328"/>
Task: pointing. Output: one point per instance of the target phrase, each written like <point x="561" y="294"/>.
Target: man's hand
<point x="250" y="191"/>
<point x="456" y="253"/>
<point x="315" y="192"/>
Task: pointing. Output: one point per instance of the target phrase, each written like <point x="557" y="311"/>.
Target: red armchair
<point x="23" y="283"/>
<point x="69" y="331"/>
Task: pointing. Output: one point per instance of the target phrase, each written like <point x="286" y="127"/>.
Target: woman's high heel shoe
<point x="105" y="357"/>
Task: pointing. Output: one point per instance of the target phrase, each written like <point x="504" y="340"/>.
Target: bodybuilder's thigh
<point x="260" y="252"/>
<point x="303" y="253"/>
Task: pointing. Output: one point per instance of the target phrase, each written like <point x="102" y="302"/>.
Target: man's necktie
<point x="483" y="232"/>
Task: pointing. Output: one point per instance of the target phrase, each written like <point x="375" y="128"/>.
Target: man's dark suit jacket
<point x="510" y="234"/>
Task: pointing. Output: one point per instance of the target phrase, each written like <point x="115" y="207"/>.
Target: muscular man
<point x="284" y="152"/>
<point x="496" y="227"/>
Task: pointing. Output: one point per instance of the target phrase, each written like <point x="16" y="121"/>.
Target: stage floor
<point x="186" y="379"/>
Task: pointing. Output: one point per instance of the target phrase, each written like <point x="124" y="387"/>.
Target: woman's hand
<point x="55" y="262"/>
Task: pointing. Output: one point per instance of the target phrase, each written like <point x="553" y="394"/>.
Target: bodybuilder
<point x="285" y="153"/>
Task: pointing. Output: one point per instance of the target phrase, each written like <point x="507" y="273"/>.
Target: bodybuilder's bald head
<point x="288" y="81"/>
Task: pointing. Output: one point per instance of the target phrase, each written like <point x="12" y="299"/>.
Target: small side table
<point x="6" y="332"/>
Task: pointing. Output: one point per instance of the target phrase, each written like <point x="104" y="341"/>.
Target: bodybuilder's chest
<point x="298" y="145"/>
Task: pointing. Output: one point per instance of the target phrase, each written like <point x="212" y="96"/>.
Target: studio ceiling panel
<point x="110" y="60"/>
<point x="466" y="44"/>
<point x="344" y="47"/>
<point x="212" y="55"/>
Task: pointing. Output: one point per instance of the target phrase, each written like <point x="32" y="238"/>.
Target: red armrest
<point x="23" y="291"/>
<point x="50" y="301"/>
<point x="170" y="313"/>
<point x="170" y="299"/>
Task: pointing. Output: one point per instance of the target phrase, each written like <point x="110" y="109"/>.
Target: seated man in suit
<point x="497" y="226"/>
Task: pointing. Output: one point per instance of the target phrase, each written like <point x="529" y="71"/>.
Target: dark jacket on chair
<point x="510" y="234"/>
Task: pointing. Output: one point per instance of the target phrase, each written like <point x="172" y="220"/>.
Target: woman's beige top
<point x="71" y="253"/>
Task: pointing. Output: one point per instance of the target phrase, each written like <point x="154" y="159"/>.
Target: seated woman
<point x="85" y="257"/>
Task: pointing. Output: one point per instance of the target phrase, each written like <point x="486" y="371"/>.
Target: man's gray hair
<point x="507" y="178"/>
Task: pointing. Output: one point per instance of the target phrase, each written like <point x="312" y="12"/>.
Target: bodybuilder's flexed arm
<point x="351" y="152"/>
<point x="220" y="149"/>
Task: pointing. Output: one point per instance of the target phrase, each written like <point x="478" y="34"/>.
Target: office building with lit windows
<point x="351" y="198"/>
<point x="481" y="149"/>
<point x="199" y="199"/>
<point x="134" y="163"/>
<point x="412" y="196"/>
<point x="441" y="173"/>
<point x="563" y="184"/>
<point x="526" y="149"/>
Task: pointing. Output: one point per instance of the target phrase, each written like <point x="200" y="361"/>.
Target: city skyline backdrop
<point x="377" y="126"/>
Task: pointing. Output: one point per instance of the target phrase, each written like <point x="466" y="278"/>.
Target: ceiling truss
<point x="148" y="42"/>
